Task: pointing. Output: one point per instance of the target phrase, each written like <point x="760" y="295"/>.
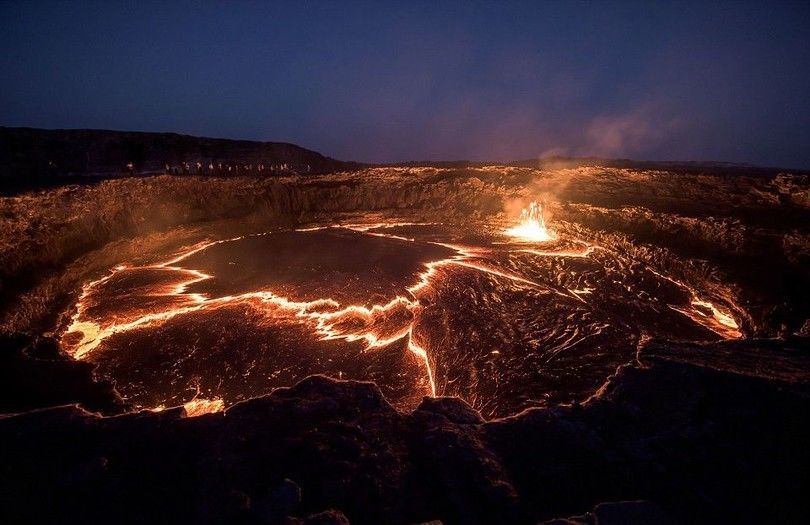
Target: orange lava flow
<point x="200" y="406"/>
<point x="375" y="326"/>
<point x="330" y="320"/>
<point x="717" y="320"/>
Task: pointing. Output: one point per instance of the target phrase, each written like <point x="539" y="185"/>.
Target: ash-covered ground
<point x="209" y="293"/>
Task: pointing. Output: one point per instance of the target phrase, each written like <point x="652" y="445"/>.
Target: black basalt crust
<point x="696" y="435"/>
<point x="34" y="374"/>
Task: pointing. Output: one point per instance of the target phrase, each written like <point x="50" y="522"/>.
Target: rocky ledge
<point x="699" y="433"/>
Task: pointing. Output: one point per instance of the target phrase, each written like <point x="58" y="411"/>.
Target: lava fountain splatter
<point x="532" y="226"/>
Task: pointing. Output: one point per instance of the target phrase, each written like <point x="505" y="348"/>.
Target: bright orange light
<point x="532" y="226"/>
<point x="199" y="406"/>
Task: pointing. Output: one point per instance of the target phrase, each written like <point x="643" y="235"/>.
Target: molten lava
<point x="405" y="305"/>
<point x="200" y="406"/>
<point x="532" y="226"/>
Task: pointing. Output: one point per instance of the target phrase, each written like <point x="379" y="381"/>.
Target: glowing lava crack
<point x="329" y="319"/>
<point x="504" y="325"/>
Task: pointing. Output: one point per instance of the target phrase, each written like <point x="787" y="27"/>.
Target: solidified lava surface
<point x="420" y="309"/>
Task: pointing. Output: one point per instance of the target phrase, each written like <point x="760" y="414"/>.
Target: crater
<point x="420" y="309"/>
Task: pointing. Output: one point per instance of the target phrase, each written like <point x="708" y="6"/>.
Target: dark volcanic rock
<point x="619" y="513"/>
<point x="452" y="408"/>
<point x="33" y="374"/>
<point x="702" y="435"/>
<point x="446" y="440"/>
<point x="327" y="517"/>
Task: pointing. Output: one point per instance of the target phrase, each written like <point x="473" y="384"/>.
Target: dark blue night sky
<point x="382" y="81"/>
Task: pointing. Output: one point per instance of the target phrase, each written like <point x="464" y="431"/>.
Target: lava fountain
<point x="532" y="226"/>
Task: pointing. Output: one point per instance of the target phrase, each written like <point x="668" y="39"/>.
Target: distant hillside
<point x="35" y="157"/>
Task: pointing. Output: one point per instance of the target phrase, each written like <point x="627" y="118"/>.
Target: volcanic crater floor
<point x="419" y="309"/>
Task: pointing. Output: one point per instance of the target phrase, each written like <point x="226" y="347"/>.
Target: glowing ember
<point x="532" y="226"/>
<point x="200" y="406"/>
